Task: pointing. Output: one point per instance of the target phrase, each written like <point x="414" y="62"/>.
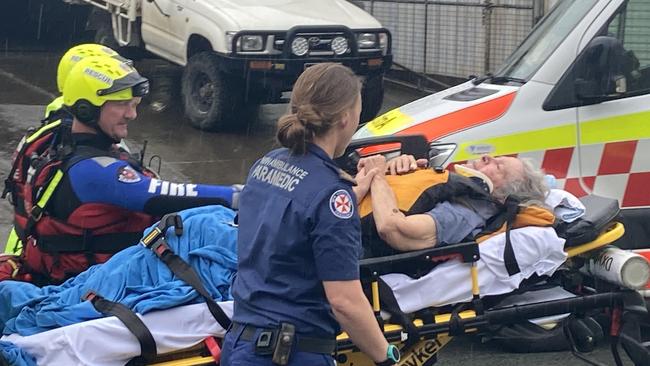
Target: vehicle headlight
<point x="339" y="45"/>
<point x="252" y="43"/>
<point x="439" y="154"/>
<point x="300" y="46"/>
<point x="367" y="40"/>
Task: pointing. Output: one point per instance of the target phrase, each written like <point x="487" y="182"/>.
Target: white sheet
<point x="538" y="250"/>
<point x="107" y="342"/>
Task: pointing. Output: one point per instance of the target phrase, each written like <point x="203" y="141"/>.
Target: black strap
<point x="509" y="258"/>
<point x="155" y="241"/>
<point x="133" y="323"/>
<point x="390" y="304"/>
<point x="186" y="273"/>
<point x="303" y="343"/>
<point x="106" y="244"/>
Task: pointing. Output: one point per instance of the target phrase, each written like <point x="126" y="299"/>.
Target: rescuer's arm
<point x="111" y="181"/>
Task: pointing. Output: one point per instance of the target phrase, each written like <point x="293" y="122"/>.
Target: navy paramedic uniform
<point x="298" y="226"/>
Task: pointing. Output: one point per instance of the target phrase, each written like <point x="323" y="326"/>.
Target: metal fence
<point x="454" y="38"/>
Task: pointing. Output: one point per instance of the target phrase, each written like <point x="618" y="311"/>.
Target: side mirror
<point x="601" y="71"/>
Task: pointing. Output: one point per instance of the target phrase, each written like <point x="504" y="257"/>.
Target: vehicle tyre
<point x="212" y="99"/>
<point x="372" y="96"/>
<point x="104" y="35"/>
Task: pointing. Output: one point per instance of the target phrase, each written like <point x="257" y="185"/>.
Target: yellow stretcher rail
<point x="611" y="234"/>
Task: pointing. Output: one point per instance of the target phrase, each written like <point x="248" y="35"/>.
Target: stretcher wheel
<point x="586" y="333"/>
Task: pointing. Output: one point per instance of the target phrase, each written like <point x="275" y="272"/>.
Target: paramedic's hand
<point x="404" y="164"/>
<point x="363" y="179"/>
<point x="373" y="162"/>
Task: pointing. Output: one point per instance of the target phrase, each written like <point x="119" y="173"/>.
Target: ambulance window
<point x="544" y="39"/>
<point x="615" y="64"/>
<point x="632" y="28"/>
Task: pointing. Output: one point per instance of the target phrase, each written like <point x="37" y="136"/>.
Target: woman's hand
<point x="367" y="169"/>
<point x="404" y="164"/>
<point x="363" y="178"/>
<point x="372" y="162"/>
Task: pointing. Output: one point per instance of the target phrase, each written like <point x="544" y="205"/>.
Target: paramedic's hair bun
<point x="320" y="96"/>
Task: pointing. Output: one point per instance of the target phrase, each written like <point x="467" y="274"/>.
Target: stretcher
<point x="430" y="330"/>
<point x="434" y="328"/>
<point x="421" y="339"/>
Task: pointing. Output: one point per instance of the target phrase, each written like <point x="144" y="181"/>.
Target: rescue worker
<point x="299" y="237"/>
<point x="102" y="203"/>
<point x="68" y="60"/>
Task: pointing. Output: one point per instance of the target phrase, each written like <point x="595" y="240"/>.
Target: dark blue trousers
<point x="237" y="352"/>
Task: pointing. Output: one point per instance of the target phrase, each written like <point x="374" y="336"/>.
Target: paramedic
<point x="102" y="203"/>
<point x="450" y="222"/>
<point x="299" y="235"/>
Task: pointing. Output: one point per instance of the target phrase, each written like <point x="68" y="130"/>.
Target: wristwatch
<point x="392" y="356"/>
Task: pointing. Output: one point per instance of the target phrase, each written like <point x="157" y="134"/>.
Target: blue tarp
<point x="134" y="277"/>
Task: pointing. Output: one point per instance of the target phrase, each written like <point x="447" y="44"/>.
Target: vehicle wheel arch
<point x="197" y="43"/>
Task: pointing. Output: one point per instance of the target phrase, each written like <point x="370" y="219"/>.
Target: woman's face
<point x="349" y="125"/>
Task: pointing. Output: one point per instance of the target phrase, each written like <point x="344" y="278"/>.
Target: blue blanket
<point x="15" y="356"/>
<point x="134" y="277"/>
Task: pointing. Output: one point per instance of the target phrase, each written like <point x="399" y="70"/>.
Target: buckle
<point x="165" y="223"/>
<point x="265" y="342"/>
<point x="159" y="247"/>
<point x="36" y="213"/>
<point x="151" y="238"/>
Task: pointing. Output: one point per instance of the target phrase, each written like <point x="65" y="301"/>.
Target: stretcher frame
<point x="438" y="331"/>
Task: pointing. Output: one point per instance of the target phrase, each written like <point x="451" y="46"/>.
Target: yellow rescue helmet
<point x="95" y="80"/>
<point x="79" y="52"/>
<point x="54" y="106"/>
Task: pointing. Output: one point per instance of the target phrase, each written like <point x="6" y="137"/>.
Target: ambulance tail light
<point x="440" y="153"/>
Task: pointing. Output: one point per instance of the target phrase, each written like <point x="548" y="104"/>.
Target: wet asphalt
<point x="27" y="84"/>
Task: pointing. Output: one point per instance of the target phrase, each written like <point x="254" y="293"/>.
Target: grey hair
<point x="531" y="187"/>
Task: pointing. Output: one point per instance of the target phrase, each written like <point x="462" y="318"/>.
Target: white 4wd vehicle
<point x="238" y="54"/>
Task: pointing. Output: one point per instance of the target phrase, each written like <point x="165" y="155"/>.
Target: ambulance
<point x="574" y="97"/>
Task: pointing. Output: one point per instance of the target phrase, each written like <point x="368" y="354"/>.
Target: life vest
<point x="416" y="193"/>
<point x="422" y="190"/>
<point x="53" y="248"/>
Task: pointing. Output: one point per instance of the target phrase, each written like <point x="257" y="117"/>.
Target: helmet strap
<point x="88" y="114"/>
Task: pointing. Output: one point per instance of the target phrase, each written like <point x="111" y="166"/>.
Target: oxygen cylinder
<point x="620" y="267"/>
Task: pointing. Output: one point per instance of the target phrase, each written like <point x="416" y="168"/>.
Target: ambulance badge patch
<point x="126" y="174"/>
<point x="341" y="204"/>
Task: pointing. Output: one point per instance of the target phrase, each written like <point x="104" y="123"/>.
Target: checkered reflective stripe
<point x="619" y="170"/>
